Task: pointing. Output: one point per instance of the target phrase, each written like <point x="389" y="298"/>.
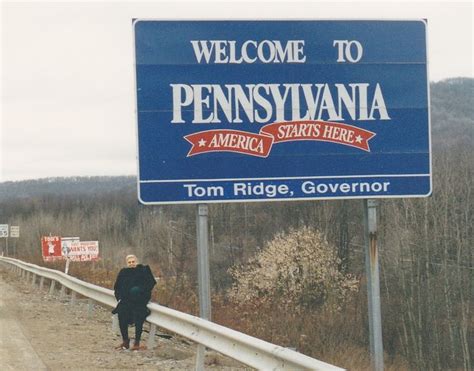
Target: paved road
<point x="16" y="352"/>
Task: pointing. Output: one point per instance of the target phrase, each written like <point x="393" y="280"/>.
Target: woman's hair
<point x="130" y="256"/>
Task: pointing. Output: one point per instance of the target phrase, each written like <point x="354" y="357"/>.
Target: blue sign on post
<point x="281" y="110"/>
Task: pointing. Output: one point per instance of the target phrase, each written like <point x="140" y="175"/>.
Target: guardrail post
<point x="115" y="324"/>
<point x="27" y="275"/>
<point x="51" y="288"/>
<point x="62" y="292"/>
<point x="33" y="280"/>
<point x="90" y="307"/>
<point x="41" y="283"/>
<point x="151" y="336"/>
<point x="73" y="298"/>
<point x="200" y="355"/>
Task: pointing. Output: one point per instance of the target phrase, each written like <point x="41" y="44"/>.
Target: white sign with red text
<point x="83" y="251"/>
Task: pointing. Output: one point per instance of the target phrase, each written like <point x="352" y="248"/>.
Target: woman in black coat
<point x="132" y="290"/>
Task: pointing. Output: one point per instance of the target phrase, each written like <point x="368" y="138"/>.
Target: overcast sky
<point x="67" y="106"/>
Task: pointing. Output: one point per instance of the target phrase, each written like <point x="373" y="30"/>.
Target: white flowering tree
<point x="299" y="269"/>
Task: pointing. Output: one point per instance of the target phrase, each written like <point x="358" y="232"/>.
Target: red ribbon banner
<point x="260" y="145"/>
<point x="321" y="131"/>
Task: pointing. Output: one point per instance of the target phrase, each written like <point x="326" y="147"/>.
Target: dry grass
<point x="337" y="338"/>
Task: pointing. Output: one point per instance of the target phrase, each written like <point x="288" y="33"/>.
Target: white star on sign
<point x="358" y="139"/>
<point x="202" y="143"/>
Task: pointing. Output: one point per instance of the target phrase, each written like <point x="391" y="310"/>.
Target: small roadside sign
<point x="66" y="243"/>
<point x="51" y="248"/>
<point x="84" y="251"/>
<point x="15" y="231"/>
<point x="3" y="230"/>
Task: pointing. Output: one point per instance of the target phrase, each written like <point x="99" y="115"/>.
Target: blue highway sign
<point x="233" y="111"/>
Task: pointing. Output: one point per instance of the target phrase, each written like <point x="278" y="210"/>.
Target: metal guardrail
<point x="243" y="348"/>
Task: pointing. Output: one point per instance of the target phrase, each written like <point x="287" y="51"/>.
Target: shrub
<point x="299" y="269"/>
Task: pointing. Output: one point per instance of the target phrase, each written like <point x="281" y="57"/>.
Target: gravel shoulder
<point x="61" y="336"/>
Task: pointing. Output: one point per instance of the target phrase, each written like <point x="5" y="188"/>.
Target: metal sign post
<point x="203" y="274"/>
<point x="373" y="284"/>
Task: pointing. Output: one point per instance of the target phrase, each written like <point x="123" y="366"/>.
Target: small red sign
<point x="51" y="248"/>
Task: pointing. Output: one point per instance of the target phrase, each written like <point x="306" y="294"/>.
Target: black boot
<point x="125" y="345"/>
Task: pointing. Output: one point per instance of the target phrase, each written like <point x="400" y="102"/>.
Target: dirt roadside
<point x="64" y="337"/>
